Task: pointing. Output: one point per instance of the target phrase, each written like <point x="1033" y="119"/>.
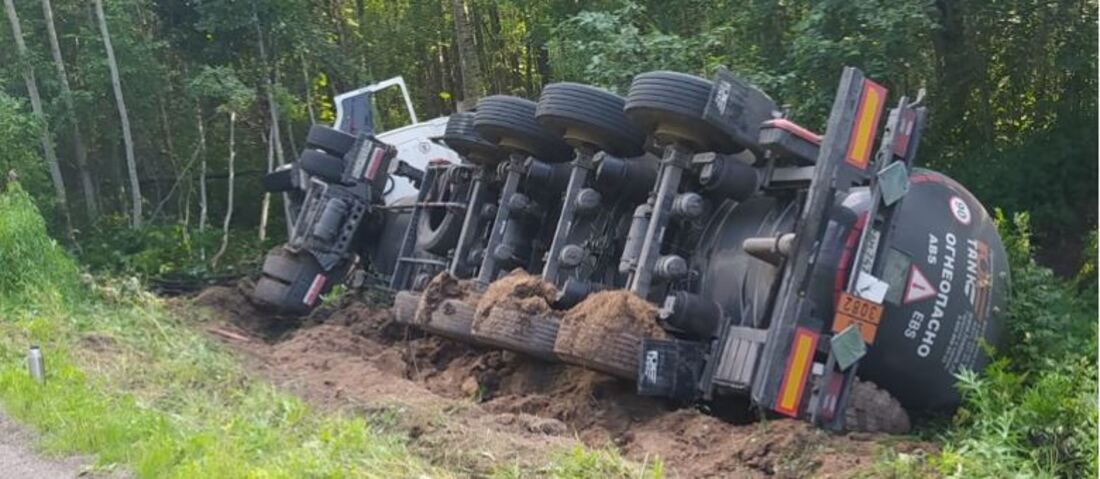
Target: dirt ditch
<point x="476" y="409"/>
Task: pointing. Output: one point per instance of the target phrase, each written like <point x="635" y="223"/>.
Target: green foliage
<point x="609" y="48"/>
<point x="221" y="85"/>
<point x="1033" y="411"/>
<point x="153" y="251"/>
<point x="1011" y="85"/>
<point x="35" y="269"/>
<point x="1050" y="319"/>
<point x="20" y="138"/>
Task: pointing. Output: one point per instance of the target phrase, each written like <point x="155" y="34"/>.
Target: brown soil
<point x="611" y="312"/>
<point x="518" y="290"/>
<point x="475" y="409"/>
<point x="872" y="409"/>
<point x="603" y="331"/>
<point x="442" y="287"/>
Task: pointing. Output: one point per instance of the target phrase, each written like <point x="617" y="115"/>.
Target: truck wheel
<point x="438" y="229"/>
<point x="461" y="137"/>
<point x="510" y="122"/>
<point x="330" y="140"/>
<point x="322" y="165"/>
<point x="585" y="114"/>
<point x="670" y="105"/>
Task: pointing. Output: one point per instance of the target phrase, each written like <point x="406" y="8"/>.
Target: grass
<point x="135" y="386"/>
<point x="141" y="390"/>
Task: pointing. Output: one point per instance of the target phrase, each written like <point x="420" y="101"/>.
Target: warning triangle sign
<point x="918" y="287"/>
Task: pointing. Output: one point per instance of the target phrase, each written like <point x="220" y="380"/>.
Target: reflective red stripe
<point x="375" y="163"/>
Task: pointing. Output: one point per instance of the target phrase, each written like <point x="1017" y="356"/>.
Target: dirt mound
<point x="476" y="408"/>
<point x="611" y="312"/>
<point x="232" y="305"/>
<point x="698" y="445"/>
<point x="604" y="332"/>
<point x="518" y="290"/>
<point x="871" y="409"/>
<point x="597" y="407"/>
<point x="442" y="287"/>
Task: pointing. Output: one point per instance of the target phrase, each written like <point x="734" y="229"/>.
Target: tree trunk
<point x="229" y="193"/>
<point x="265" y="205"/>
<point x="91" y="204"/>
<point x="309" y="90"/>
<point x="273" y="110"/>
<point x="470" y="65"/>
<point x="290" y="135"/>
<point x="203" y="211"/>
<point x="44" y="131"/>
<point x="124" y="119"/>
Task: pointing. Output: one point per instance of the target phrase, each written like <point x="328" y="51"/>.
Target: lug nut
<point x="572" y="255"/>
<point x="588" y="199"/>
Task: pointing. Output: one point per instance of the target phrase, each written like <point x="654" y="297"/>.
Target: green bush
<point x="33" y="267"/>
<point x="160" y="250"/>
<point x="1033" y="411"/>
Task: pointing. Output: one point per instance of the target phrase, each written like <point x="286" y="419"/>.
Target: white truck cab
<point x="416" y="141"/>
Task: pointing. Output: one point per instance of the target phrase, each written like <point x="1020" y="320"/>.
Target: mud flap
<point x="670" y="368"/>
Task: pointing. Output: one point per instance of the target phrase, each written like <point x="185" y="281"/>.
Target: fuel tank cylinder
<point x="944" y="263"/>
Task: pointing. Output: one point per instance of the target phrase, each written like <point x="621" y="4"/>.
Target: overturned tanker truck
<point x="775" y="263"/>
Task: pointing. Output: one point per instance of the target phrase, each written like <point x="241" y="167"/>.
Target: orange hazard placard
<point x="860" y="312"/>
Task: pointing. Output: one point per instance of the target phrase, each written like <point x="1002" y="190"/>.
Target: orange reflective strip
<point x="798" y="367"/>
<point x="865" y="127"/>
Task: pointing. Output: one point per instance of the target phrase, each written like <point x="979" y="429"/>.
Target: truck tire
<point x="330" y="140"/>
<point x="510" y="122"/>
<point x="438" y="234"/>
<point x="322" y="165"/>
<point x="588" y="114"/>
<point x="670" y="105"/>
<point x="438" y="229"/>
<point x="461" y="137"/>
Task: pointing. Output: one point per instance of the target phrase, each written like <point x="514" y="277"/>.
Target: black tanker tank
<point x="945" y="264"/>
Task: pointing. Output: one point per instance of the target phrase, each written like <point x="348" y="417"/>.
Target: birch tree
<point x="91" y="204"/>
<point x="124" y="118"/>
<point x="221" y="85"/>
<point x="44" y="125"/>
